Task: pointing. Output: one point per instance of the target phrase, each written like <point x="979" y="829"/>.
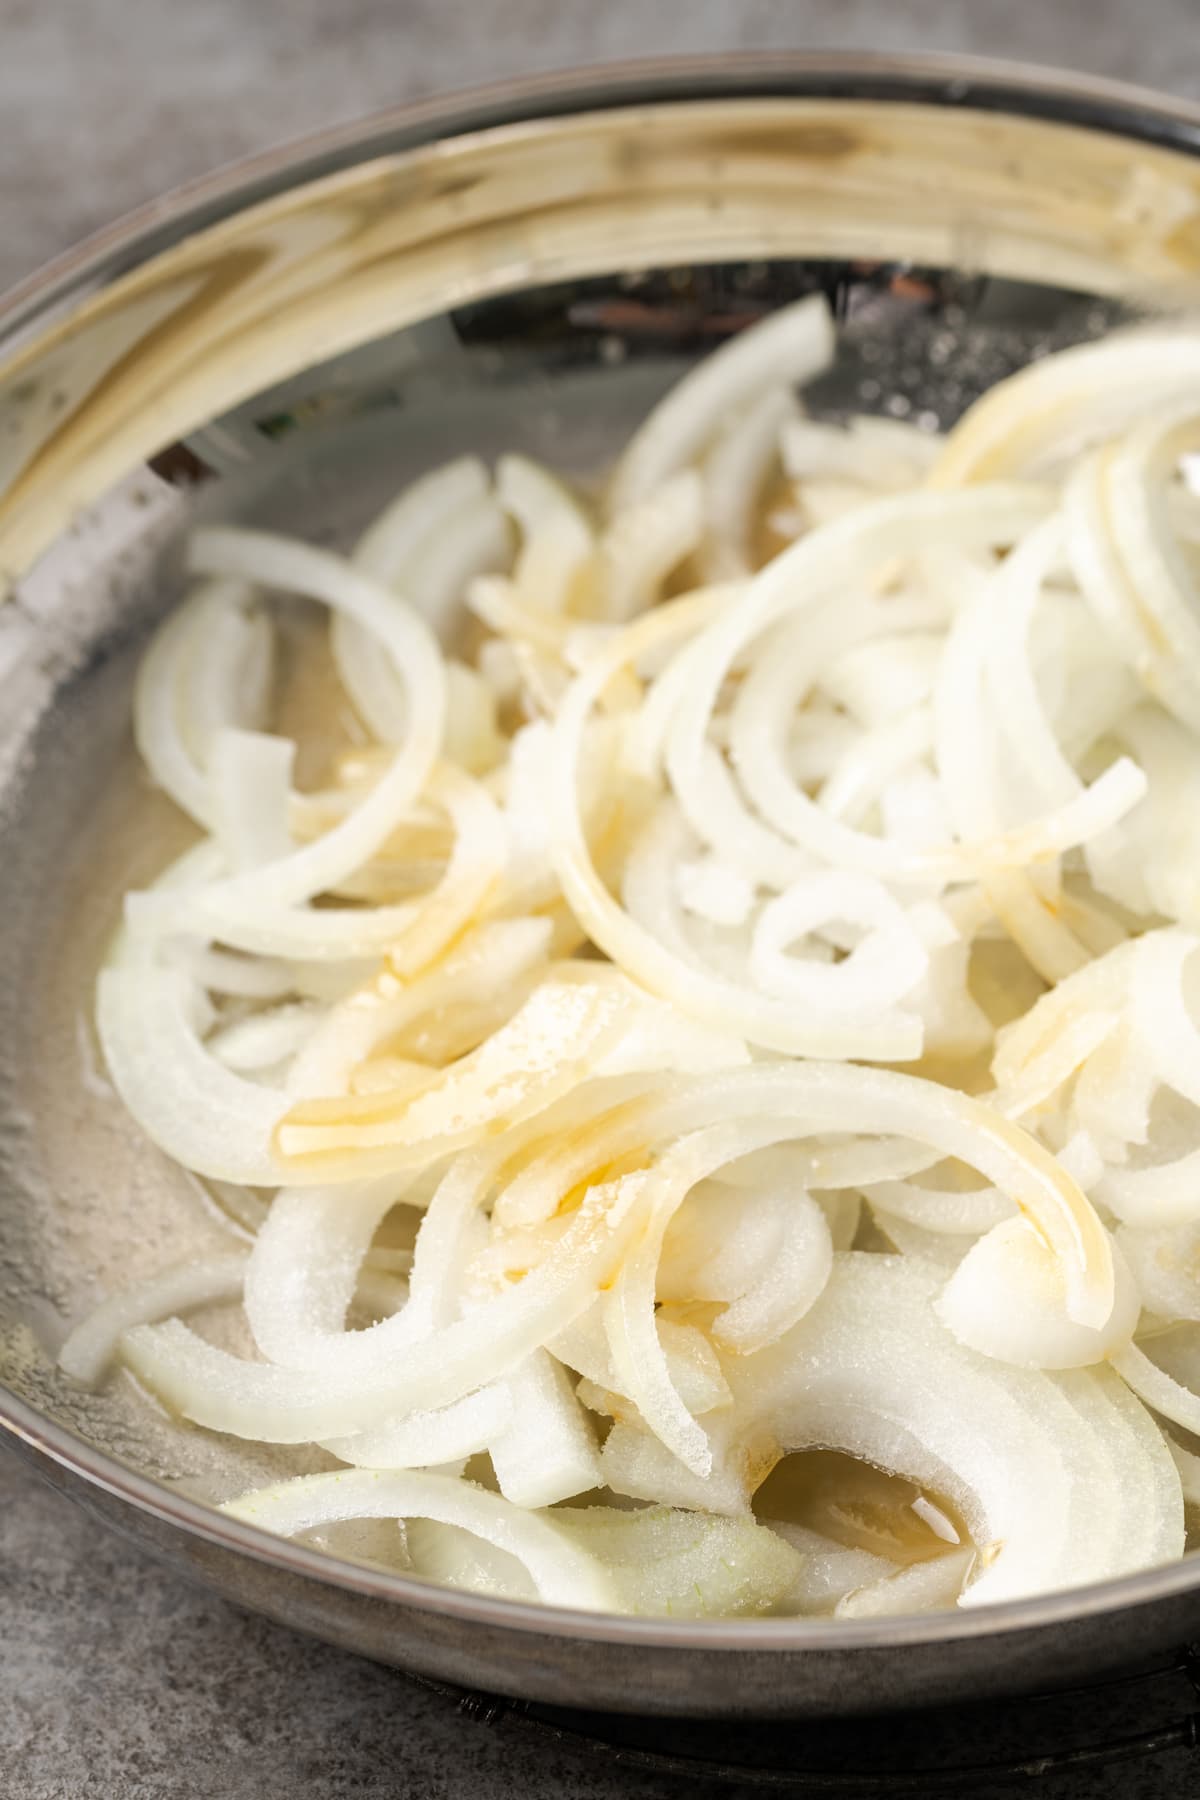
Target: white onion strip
<point x="563" y="1574"/>
<point x="90" y="1348"/>
<point x="790" y="346"/>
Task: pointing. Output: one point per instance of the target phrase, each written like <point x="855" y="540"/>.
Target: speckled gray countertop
<point x="117" y="1679"/>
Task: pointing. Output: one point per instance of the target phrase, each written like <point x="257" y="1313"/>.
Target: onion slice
<point x="563" y="1574"/>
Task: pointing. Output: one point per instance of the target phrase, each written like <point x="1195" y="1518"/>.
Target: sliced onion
<point x="720" y="1003"/>
<point x="1188" y="1468"/>
<point x="547" y="1452"/>
<point x="265" y="1040"/>
<point x="1159" y="1196"/>
<point x="735" y="471"/>
<point x="1158" y="1390"/>
<point x="563" y="1574"/>
<point x="900" y="1393"/>
<point x="882" y="968"/>
<point x="1166" y="1268"/>
<point x="211" y="657"/>
<point x="430" y="1439"/>
<point x="644" y="543"/>
<point x="278" y="1405"/>
<point x="790" y="346"/>
<point x="1056" y="406"/>
<point x="555" y="1038"/>
<point x="830" y="1571"/>
<point x="558" y="540"/>
<point x="304" y="1269"/>
<point x="665" y="1562"/>
<point x="91" y="1346"/>
<point x="250" y="778"/>
<point x="192" y="1106"/>
<point x="863" y="805"/>
<point x="1007" y="1299"/>
<point x="919" y="1588"/>
<point x="495" y="958"/>
<point x="280" y="563"/>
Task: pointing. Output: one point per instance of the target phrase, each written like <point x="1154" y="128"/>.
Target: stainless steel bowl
<point x="286" y="343"/>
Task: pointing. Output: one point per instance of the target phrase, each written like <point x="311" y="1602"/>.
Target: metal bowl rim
<point x="970" y="83"/>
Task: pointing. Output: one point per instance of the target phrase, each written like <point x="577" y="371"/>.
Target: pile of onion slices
<point x="725" y="985"/>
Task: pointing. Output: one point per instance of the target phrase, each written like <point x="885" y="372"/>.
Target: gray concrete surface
<point x="117" y="1680"/>
<point x="105" y="103"/>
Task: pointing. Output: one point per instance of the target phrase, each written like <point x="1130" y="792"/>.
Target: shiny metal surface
<point x="304" y="338"/>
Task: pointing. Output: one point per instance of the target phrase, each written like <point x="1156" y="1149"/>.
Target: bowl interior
<point x="583" y="274"/>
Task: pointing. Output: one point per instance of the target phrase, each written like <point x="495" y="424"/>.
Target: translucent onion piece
<point x="563" y="1574"/>
<point x="638" y="1361"/>
<point x="639" y="1465"/>
<point x="687" y="1567"/>
<point x="1010" y="673"/>
<point x="265" y="1040"/>
<point x="735" y="470"/>
<point x="278" y="1405"/>
<point x="940" y="1249"/>
<point x="1148" y="865"/>
<point x="1065" y="1027"/>
<point x="258" y="978"/>
<point x="281" y="563"/>
<point x="722" y="1238"/>
<point x="715" y="892"/>
<point x="250" y="778"/>
<point x="885" y="678"/>
<point x="1006" y="1299"/>
<point x="1154" y="649"/>
<point x="1166" y="1268"/>
<point x="932" y="1209"/>
<point x="1139" y="475"/>
<point x="91" y="1346"/>
<point x="433" y="511"/>
<point x="882" y="968"/>
<point x="887" y="753"/>
<point x="547" y="1452"/>
<point x="787" y="1287"/>
<point x="714" y="1001"/>
<point x="193" y="1107"/>
<point x="692" y="1364"/>
<point x="919" y="1588"/>
<point x="766" y="1251"/>
<point x="644" y="543"/>
<point x="791" y="345"/>
<point x="1114" y="1094"/>
<point x="304" y="1268"/>
<point x="871" y="1372"/>
<point x="1055" y="407"/>
<point x="386" y="549"/>
<point x="430" y="1439"/>
<point x="472" y="735"/>
<point x="1188" y="1467"/>
<point x="1159" y="1196"/>
<point x="212" y="658"/>
<point x="556" y="1037"/>
<point x="1161" y="1014"/>
<point x="830" y="1098"/>
<point x="495" y="958"/>
<point x="557" y="537"/>
<point x="830" y="1571"/>
<point x="1035" y="926"/>
<point x="1158" y="1390"/>
<point x="812" y="578"/>
<point x="454" y="1557"/>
